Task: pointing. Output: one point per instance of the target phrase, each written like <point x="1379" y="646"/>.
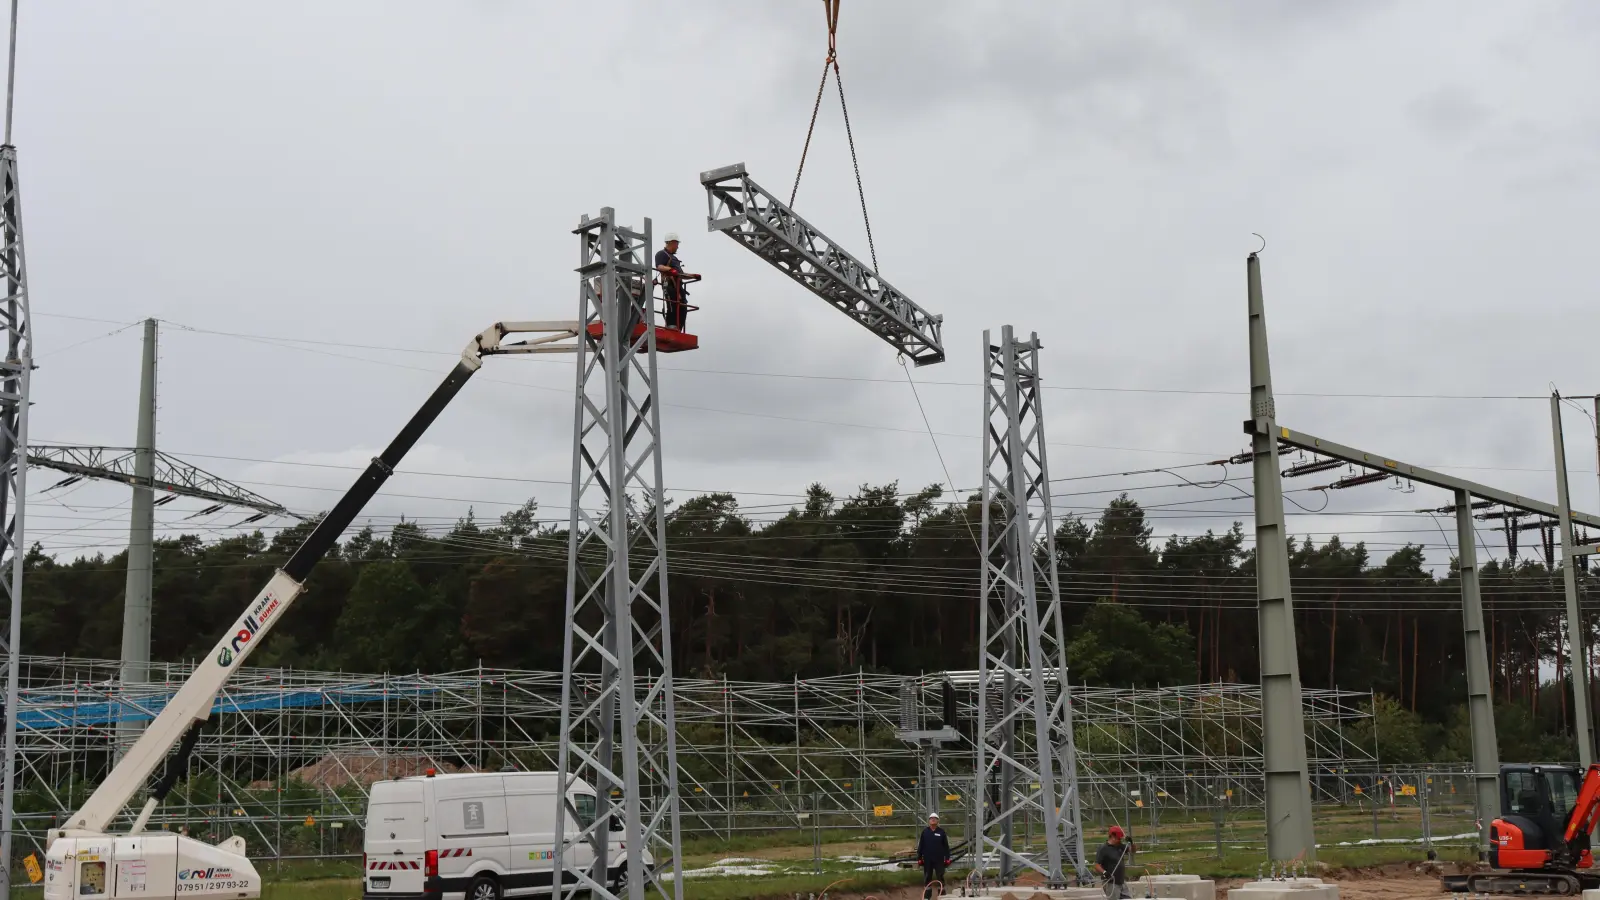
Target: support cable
<point x="831" y="10"/>
<point x="955" y="494"/>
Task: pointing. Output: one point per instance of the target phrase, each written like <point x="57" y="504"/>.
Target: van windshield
<point x="584" y="804"/>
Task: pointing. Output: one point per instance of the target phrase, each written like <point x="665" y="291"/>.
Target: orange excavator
<point x="1540" y="842"/>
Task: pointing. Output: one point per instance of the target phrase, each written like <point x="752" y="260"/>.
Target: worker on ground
<point x="933" y="852"/>
<point x="673" y="282"/>
<point x="1111" y="863"/>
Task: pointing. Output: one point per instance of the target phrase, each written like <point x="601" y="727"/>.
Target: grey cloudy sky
<point x="399" y="175"/>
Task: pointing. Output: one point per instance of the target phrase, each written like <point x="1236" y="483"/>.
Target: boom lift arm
<point x="191" y="706"/>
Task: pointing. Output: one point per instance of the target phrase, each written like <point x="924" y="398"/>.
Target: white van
<point x="475" y="836"/>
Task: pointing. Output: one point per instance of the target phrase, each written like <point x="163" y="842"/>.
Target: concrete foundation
<point x="1179" y="887"/>
<point x="1287" y="889"/>
<point x="1024" y="892"/>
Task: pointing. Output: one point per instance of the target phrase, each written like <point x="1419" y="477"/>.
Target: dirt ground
<point x="1398" y="882"/>
<point x="1404" y="881"/>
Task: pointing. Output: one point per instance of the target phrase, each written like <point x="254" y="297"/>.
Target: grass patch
<point x="293" y="870"/>
<point x="786" y="886"/>
<point x="715" y="888"/>
<point x="328" y="889"/>
<point x="792" y="837"/>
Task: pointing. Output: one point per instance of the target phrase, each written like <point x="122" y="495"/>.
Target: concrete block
<point x="1287" y="889"/>
<point x="1024" y="892"/>
<point x="1178" y="887"/>
<point x="1591" y="894"/>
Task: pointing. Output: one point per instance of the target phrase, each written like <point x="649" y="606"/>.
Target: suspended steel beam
<point x="746" y="212"/>
<point x="173" y="476"/>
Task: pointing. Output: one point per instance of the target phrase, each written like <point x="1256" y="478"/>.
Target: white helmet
<point x="671" y="236"/>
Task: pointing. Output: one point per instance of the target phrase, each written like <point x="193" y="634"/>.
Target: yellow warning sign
<point x="1408" y="790"/>
<point x="310" y="821"/>
<point x="32" y="864"/>
<point x="952" y="797"/>
<point x="883" y="812"/>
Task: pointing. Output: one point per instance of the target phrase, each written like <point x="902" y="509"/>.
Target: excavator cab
<point x="1540" y="842"/>
<point x="1537" y="802"/>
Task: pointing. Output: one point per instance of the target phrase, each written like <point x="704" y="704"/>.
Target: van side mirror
<point x="616" y="824"/>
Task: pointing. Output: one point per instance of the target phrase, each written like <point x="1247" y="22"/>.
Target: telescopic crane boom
<point x="191" y="706"/>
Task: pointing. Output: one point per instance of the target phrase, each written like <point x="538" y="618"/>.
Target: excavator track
<point x="1560" y="884"/>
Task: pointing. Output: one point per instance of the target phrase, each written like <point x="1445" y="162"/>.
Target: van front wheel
<point x="484" y="888"/>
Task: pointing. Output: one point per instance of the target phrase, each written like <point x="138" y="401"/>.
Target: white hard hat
<point x="933" y="815"/>
<point x="672" y="236"/>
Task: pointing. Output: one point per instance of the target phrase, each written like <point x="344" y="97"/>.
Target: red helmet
<point x="1116" y="831"/>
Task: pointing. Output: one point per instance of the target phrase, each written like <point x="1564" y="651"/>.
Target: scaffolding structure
<point x="290" y="754"/>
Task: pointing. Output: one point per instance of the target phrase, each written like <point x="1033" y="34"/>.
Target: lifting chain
<point x="831" y="10"/>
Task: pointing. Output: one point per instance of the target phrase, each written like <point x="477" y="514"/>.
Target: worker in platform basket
<point x="1111" y="863"/>
<point x="933" y="852"/>
<point x="674" y="281"/>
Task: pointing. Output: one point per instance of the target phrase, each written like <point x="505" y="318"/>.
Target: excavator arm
<point x="191" y="706"/>
<point x="1586" y="811"/>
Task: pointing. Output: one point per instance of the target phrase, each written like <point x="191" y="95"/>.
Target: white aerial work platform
<point x="84" y="861"/>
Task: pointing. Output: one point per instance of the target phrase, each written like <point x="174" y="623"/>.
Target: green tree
<point x="394" y="624"/>
<point x="1396" y="733"/>
<point x="1117" y="646"/>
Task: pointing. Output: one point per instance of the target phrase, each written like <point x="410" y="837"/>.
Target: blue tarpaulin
<point x="112" y="712"/>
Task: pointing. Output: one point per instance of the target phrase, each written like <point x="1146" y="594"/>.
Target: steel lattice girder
<point x="1024" y="715"/>
<point x="620" y="731"/>
<point x="171" y="475"/>
<point x="755" y="218"/>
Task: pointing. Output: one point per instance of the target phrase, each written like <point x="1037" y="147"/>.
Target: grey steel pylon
<point x="617" y="706"/>
<point x="1583" y="731"/>
<point x="141" y="542"/>
<point x="1290" y="832"/>
<point x="1026" y="756"/>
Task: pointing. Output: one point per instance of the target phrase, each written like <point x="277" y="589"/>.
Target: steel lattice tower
<point x="15" y="373"/>
<point x="1026" y="759"/>
<point x="617" y="719"/>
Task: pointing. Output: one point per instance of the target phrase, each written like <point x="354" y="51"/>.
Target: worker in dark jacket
<point x="1111" y="863"/>
<point x="933" y="852"/>
<point x="674" y="281"/>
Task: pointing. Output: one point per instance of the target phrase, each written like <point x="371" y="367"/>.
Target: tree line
<point x="879" y="580"/>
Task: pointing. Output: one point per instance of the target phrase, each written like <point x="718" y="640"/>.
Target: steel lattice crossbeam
<point x="1026" y="758"/>
<point x="621" y="730"/>
<point x="755" y="218"/>
<point x="172" y="476"/>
